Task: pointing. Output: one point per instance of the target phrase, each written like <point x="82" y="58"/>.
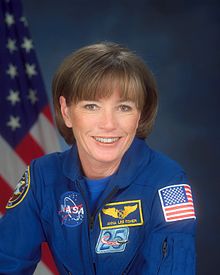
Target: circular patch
<point x="71" y="209"/>
<point x="20" y="190"/>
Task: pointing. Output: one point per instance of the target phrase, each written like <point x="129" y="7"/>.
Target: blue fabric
<point x="55" y="209"/>
<point x="95" y="188"/>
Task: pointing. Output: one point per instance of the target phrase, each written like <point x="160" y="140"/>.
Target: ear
<point x="65" y="111"/>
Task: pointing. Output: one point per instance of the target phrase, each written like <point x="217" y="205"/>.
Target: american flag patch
<point x="177" y="202"/>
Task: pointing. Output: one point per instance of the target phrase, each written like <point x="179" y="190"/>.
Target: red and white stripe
<point x="41" y="139"/>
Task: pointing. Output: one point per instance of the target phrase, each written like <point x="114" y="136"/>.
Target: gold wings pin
<point x="117" y="213"/>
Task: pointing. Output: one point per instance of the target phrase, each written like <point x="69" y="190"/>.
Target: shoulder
<point x="167" y="188"/>
<point x="164" y="165"/>
<point x="161" y="170"/>
<point x="48" y="166"/>
<point x="172" y="195"/>
<point x="150" y="167"/>
<point x="51" y="160"/>
<point x="144" y="155"/>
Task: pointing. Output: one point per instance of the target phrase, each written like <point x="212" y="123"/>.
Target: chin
<point x="107" y="158"/>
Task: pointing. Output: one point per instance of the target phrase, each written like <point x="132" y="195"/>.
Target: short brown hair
<point x="92" y="73"/>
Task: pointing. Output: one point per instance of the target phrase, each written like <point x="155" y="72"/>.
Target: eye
<point x="125" y="108"/>
<point x="91" y="107"/>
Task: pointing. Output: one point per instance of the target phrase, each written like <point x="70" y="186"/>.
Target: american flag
<point x="26" y="125"/>
<point x="177" y="202"/>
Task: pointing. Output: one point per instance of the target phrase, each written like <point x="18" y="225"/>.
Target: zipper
<point x="107" y="199"/>
<point x="91" y="218"/>
<point x="125" y="272"/>
<point x="130" y="264"/>
<point x="67" y="271"/>
<point x="90" y="221"/>
<point x="110" y="196"/>
<point x="164" y="254"/>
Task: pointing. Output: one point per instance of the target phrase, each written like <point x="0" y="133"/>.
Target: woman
<point x="110" y="204"/>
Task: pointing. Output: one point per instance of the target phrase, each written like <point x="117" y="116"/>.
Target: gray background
<point x="180" y="41"/>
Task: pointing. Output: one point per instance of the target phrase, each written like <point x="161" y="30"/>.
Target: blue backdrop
<point x="180" y="41"/>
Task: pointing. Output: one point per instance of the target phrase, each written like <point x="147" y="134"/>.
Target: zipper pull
<point x="91" y="222"/>
<point x="164" y="254"/>
<point x="111" y="195"/>
<point x="164" y="248"/>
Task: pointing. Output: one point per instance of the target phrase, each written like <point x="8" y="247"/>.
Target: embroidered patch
<point x="71" y="209"/>
<point x="121" y="214"/>
<point x="21" y="190"/>
<point x="112" y="240"/>
<point x="177" y="202"/>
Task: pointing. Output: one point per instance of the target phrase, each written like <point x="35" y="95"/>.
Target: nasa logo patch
<point x="71" y="209"/>
<point x="21" y="190"/>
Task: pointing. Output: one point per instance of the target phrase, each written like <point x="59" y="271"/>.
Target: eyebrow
<point x="118" y="102"/>
<point x="126" y="100"/>
<point x="97" y="100"/>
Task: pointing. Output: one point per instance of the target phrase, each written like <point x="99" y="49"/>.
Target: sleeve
<point x="171" y="243"/>
<point x="21" y="233"/>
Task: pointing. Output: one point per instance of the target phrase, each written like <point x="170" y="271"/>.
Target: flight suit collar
<point x="71" y="164"/>
<point x="137" y="156"/>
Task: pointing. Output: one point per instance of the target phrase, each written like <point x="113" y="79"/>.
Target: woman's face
<point x="103" y="129"/>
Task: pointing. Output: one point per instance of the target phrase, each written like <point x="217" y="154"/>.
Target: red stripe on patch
<point x="48" y="258"/>
<point x="169" y="208"/>
<point x="46" y="111"/>
<point x="180" y="211"/>
<point x="181" y="217"/>
<point x="5" y="194"/>
<point x="29" y="149"/>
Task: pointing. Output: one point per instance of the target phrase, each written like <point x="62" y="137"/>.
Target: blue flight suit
<point x="133" y="230"/>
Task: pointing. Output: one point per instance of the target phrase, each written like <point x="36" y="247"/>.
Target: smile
<point x="106" y="140"/>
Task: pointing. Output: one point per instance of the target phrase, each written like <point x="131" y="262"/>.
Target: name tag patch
<point x="121" y="214"/>
<point x="112" y="240"/>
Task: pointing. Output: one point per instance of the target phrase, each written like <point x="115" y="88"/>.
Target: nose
<point x="108" y="120"/>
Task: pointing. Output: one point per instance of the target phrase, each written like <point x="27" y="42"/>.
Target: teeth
<point x="106" y="140"/>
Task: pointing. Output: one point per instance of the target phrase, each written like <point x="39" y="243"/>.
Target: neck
<point x="97" y="170"/>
